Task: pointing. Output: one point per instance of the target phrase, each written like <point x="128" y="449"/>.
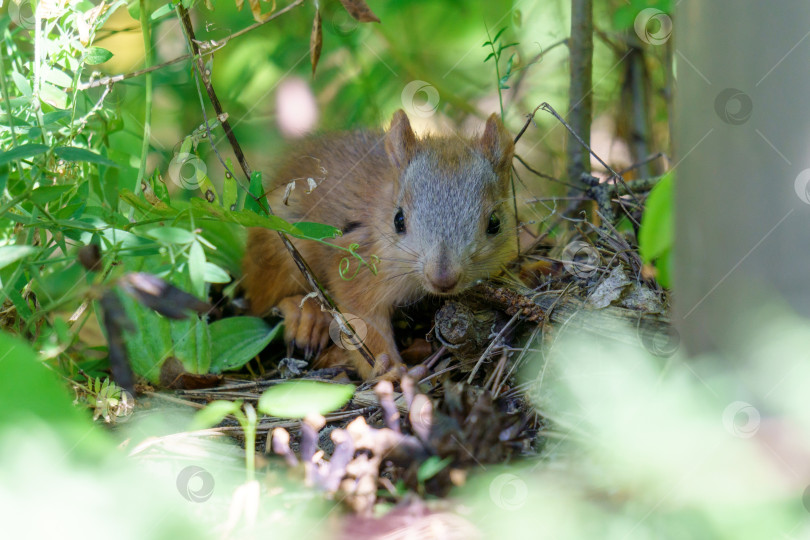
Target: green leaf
<point x="296" y="399"/>
<point x="192" y="343"/>
<point x="18" y="122"/>
<point x="215" y="274"/>
<point x="235" y="340"/>
<point x="656" y="234"/>
<point x="31" y="393"/>
<point x="56" y="77"/>
<point x="501" y="31"/>
<point x="161" y="11"/>
<point x="196" y="269"/>
<point x="431" y="467"/>
<point x="149" y="347"/>
<point x="46" y="194"/>
<point x="97" y="55"/>
<point x="246" y="218"/>
<point x="53" y="117"/>
<point x="256" y="189"/>
<point x="53" y="96"/>
<point x="12" y="254"/>
<point x="509" y="65"/>
<point x="214" y="413"/>
<point x="230" y="192"/>
<point x="72" y="153"/>
<point x="22" y="84"/>
<point x="663" y="267"/>
<point x="171" y="235"/>
<point x="318" y="231"/>
<point x="22" y="152"/>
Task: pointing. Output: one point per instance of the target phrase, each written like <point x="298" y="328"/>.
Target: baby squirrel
<point x="435" y="210"/>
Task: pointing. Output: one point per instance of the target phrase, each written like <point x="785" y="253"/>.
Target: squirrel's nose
<point x="443" y="279"/>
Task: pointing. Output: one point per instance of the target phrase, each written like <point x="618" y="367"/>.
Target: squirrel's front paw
<point x="306" y="327"/>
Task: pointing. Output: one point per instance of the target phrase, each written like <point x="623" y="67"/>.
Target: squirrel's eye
<point x="494" y="225"/>
<point x="399" y="222"/>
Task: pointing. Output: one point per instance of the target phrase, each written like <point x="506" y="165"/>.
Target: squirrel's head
<point x="453" y="216"/>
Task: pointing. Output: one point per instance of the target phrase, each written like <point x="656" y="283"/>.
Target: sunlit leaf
<point x="12" y="254"/>
<point x="72" y="153"/>
<point x="97" y="55"/>
<point x="171" y="235"/>
<point x="296" y="399"/>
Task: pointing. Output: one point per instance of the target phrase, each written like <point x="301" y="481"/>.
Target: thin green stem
<point x="147" y="115"/>
<point x="496" y="57"/>
<point x="250" y="441"/>
<point x="6" y="99"/>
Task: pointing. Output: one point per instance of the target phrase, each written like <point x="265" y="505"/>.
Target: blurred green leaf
<point x="12" y="254"/>
<point x="431" y="467"/>
<point x="24" y="151"/>
<point x="171" y="235"/>
<point x="72" y="153"/>
<point x="29" y="390"/>
<point x="196" y="269"/>
<point x="214" y="413"/>
<point x="215" y="274"/>
<point x="22" y="84"/>
<point x="296" y="399"/>
<point x="46" y="194"/>
<point x="236" y="340"/>
<point x="54" y="117"/>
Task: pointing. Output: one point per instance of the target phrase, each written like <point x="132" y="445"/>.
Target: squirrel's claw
<point x="306" y="327"/>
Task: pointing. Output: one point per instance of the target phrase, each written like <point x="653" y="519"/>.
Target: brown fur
<point x="364" y="177"/>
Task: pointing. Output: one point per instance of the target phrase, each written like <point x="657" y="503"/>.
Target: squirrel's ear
<point x="497" y="145"/>
<point x="400" y="142"/>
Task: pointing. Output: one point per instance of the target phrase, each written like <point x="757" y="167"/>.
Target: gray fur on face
<point x="447" y="198"/>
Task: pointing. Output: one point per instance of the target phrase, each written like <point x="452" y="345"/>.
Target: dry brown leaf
<point x="315" y="41"/>
<point x="256" y="9"/>
<point x="359" y="10"/>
